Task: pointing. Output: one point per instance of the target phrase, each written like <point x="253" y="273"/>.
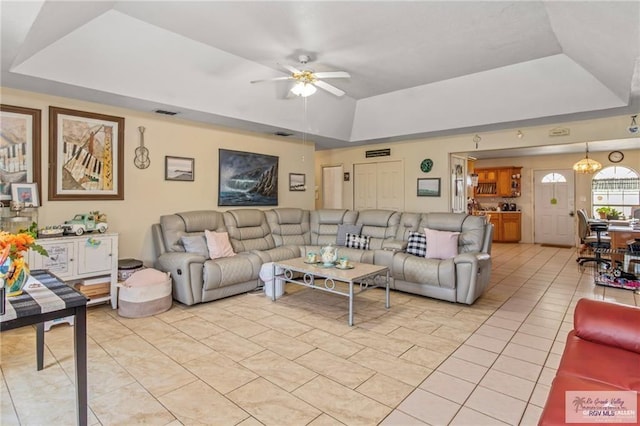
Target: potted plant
<point x="613" y="214"/>
<point x="603" y="211"/>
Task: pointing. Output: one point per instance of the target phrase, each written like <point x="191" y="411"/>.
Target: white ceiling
<point x="418" y="68"/>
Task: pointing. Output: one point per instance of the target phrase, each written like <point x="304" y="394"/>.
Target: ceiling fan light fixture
<point x="303" y="89"/>
<point x="587" y="165"/>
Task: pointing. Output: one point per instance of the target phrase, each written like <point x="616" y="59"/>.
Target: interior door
<point x="365" y="186"/>
<point x="390" y="186"/>
<point x="378" y="186"/>
<point x="458" y="184"/>
<point x="554" y="204"/>
<point x="332" y="187"/>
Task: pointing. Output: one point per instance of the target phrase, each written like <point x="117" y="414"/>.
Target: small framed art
<point x="297" y="182"/>
<point x="428" y="187"/>
<point x="179" y="168"/>
<point x="26" y="193"/>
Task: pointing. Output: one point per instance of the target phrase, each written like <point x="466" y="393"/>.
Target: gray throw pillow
<point x="343" y="230"/>
<point x="195" y="244"/>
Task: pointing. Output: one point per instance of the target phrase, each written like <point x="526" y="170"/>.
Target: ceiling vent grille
<point x="165" y="112"/>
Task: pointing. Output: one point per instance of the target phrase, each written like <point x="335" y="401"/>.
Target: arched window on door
<point x="617" y="187"/>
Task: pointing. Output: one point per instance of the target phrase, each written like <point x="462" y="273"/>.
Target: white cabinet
<point x="75" y="258"/>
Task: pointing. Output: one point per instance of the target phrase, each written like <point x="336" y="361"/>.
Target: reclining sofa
<point x="261" y="236"/>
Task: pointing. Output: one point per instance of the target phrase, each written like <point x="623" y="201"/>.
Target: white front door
<point x="554" y="204"/>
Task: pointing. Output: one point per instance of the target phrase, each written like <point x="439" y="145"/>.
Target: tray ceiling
<point x="417" y="68"/>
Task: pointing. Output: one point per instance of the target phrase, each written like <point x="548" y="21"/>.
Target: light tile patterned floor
<point x="248" y="361"/>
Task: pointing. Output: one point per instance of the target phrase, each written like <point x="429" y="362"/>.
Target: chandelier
<point x="587" y="165"/>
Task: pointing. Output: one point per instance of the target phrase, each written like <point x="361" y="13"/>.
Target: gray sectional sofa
<point x="260" y="236"/>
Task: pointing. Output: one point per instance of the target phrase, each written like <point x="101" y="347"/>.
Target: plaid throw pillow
<point x="417" y="244"/>
<point x="357" y="241"/>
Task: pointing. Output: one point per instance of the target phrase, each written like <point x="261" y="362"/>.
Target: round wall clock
<point x="616" y="156"/>
<point x="426" y="165"/>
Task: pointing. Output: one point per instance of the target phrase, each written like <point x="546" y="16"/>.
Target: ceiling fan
<point x="307" y="80"/>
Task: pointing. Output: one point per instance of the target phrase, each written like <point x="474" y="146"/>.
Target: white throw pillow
<point x="441" y="244"/>
<point x="218" y="244"/>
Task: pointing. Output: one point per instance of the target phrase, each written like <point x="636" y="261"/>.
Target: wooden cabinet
<point x="511" y="231"/>
<point x="506" y="227"/>
<point x="498" y="182"/>
<point x="74" y="259"/>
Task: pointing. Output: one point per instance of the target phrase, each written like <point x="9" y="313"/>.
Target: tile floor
<point x="248" y="361"/>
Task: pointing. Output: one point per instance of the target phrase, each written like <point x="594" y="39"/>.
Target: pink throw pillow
<point x="218" y="244"/>
<point x="441" y="244"/>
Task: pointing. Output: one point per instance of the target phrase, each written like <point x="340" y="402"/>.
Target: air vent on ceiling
<point x="165" y="112"/>
<point x="283" y="134"/>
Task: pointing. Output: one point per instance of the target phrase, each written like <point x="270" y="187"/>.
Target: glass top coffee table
<point x="315" y="275"/>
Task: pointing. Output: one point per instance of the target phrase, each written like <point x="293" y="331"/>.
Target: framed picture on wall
<point x="297" y="182"/>
<point x="428" y="187"/>
<point x="86" y="152"/>
<point x="19" y="147"/>
<point x="179" y="168"/>
<point x="26" y="193"/>
<point x="247" y="179"/>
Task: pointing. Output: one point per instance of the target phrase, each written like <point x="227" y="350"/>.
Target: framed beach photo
<point x="26" y="193"/>
<point x="428" y="187"/>
<point x="86" y="153"/>
<point x="297" y="182"/>
<point x="247" y="179"/>
<point x="179" y="168"/>
<point x="19" y="147"/>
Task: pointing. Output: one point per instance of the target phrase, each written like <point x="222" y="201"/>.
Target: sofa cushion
<point x="417" y="244"/>
<point x="218" y="244"/>
<point x="343" y="230"/>
<point x="195" y="244"/>
<point x="441" y="244"/>
<point x="357" y="241"/>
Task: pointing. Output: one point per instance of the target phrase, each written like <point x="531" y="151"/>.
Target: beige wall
<point x="147" y="194"/>
<point x="439" y="150"/>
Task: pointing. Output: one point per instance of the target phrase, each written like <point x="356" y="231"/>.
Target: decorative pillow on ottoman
<point x="441" y="244"/>
<point x="417" y="244"/>
<point x="357" y="241"/>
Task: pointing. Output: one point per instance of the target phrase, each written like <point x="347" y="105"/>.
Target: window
<point x="553" y="178"/>
<point x="617" y="187"/>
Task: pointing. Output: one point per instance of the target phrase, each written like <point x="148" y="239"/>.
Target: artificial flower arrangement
<point x="12" y="248"/>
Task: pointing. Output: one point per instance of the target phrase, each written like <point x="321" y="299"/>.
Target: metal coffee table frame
<point x="323" y="278"/>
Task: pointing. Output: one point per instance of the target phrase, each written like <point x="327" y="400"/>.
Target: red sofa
<point x="602" y="353"/>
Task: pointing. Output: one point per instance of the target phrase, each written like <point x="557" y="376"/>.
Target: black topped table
<point x="46" y="298"/>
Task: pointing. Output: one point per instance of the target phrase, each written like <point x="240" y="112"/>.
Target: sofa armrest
<point x="608" y="323"/>
<point x="473" y="271"/>
<point x="186" y="273"/>
<point x="394" y="245"/>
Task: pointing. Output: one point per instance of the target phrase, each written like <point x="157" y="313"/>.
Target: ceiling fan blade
<point x="329" y="88"/>
<point x="272" y="79"/>
<point x="292" y="70"/>
<point x="332" y="74"/>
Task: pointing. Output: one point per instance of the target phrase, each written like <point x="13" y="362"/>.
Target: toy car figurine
<point x="86" y="222"/>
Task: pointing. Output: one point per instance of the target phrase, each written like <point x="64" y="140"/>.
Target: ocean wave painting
<point x="247" y="179"/>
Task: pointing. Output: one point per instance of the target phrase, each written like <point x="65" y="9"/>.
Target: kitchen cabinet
<point x="511" y="228"/>
<point x="504" y="182"/>
<point x="506" y="226"/>
<point x="75" y="259"/>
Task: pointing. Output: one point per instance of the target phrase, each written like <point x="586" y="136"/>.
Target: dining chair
<point x="591" y="235"/>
